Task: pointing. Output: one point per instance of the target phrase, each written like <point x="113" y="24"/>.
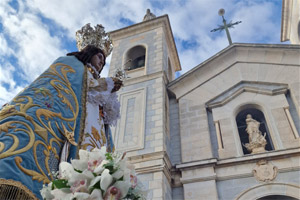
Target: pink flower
<point x="112" y="193"/>
<point x="92" y="164"/>
<point x="79" y="186"/>
<point x="133" y="181"/>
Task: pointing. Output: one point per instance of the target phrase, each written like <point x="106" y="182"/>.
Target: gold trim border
<point x="83" y="112"/>
<point x="18" y="185"/>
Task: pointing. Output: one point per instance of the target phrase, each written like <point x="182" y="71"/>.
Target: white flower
<point x="95" y="195"/>
<point x="106" y="180"/>
<point x="66" y="170"/>
<point x="123" y="186"/>
<point x="46" y="192"/>
<point x="85" y="175"/>
<point x="94" y="181"/>
<point x="99" y="169"/>
<point x="62" y="194"/>
<point x="79" y="186"/>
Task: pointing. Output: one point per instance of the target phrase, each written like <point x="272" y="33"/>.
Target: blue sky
<point x="33" y="33"/>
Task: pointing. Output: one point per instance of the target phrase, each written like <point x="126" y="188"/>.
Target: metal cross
<point x="225" y="26"/>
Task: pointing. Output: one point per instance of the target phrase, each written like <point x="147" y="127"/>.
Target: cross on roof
<point x="225" y="26"/>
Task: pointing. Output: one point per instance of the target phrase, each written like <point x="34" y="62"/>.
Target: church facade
<point x="227" y="129"/>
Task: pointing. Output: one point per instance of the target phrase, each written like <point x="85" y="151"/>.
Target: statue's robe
<point x="35" y="125"/>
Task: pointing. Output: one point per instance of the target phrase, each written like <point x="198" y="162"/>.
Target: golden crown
<point x="94" y="36"/>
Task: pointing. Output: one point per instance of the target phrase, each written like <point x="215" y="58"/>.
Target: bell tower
<point x="148" y="53"/>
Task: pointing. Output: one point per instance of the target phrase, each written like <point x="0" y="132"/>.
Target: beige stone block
<point x="157" y="130"/>
<point x="200" y="190"/>
<point x="156" y="143"/>
<point x="241" y="53"/>
<point x="158" y="123"/>
<point x="156" y="106"/>
<point x="157" y="193"/>
<point x="158" y="111"/>
<point x="200" y="172"/>
<point x="149" y="137"/>
<point x="156" y="117"/>
<point x="157" y="149"/>
<point x="158" y="136"/>
<point x="158" y="175"/>
<point x="249" y="71"/>
<point x="293" y="191"/>
<point x="227" y="78"/>
<point x="158" y="100"/>
<point x="291" y="57"/>
<point x="273" y="56"/>
<point x="156" y="184"/>
<point x="256" y="55"/>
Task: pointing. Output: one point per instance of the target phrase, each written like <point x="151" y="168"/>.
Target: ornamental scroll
<point x="38" y="121"/>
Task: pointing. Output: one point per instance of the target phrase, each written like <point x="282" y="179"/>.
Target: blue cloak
<point x="36" y="123"/>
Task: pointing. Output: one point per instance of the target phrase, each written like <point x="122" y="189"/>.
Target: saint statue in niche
<point x="257" y="141"/>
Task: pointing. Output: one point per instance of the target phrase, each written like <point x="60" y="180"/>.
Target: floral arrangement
<point x="97" y="174"/>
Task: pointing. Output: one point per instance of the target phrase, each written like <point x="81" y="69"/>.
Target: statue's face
<point x="98" y="61"/>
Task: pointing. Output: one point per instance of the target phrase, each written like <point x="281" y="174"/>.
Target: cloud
<point x="35" y="32"/>
<point x="6" y="78"/>
<point x="192" y="21"/>
<point x="72" y="15"/>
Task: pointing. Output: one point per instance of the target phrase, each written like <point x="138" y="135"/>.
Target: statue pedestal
<point x="256" y="147"/>
<point x="258" y="150"/>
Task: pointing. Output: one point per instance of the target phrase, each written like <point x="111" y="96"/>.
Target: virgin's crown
<point x="94" y="36"/>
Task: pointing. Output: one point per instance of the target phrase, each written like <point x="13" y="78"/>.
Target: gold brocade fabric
<point x="36" y="124"/>
<point x="94" y="133"/>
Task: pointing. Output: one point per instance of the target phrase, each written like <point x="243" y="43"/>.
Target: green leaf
<point x="109" y="157"/>
<point x="110" y="167"/>
<point x="79" y="171"/>
<point x="60" y="183"/>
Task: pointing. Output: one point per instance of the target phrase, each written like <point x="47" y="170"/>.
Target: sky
<point x="33" y="33"/>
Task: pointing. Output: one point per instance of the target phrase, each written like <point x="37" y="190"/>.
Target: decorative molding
<point x="259" y="191"/>
<point x="265" y="171"/>
<point x="143" y="78"/>
<point x="183" y="84"/>
<point x="246" y="86"/>
<point x="212" y="161"/>
<point x="138" y="119"/>
<point x="198" y="179"/>
<point x="266" y="155"/>
<point x="164" y="166"/>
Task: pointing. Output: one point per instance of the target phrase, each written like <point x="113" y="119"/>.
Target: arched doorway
<point x="275" y="190"/>
<point x="277" y="197"/>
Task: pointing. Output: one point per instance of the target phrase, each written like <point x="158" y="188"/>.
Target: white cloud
<point x="72" y="15"/>
<point x="6" y="77"/>
<point x="27" y="38"/>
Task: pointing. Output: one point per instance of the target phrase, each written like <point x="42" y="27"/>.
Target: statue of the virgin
<point x="66" y="108"/>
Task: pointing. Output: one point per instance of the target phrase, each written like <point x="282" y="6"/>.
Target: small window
<point x="243" y="120"/>
<point x="135" y="58"/>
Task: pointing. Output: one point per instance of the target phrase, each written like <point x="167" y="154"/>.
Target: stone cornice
<point x="163" y="164"/>
<point x="140" y="79"/>
<point x="247" y="86"/>
<point x="197" y="163"/>
<point x="162" y="21"/>
<point x="198" y="179"/>
<point x="234" y="161"/>
<point x="228" y="57"/>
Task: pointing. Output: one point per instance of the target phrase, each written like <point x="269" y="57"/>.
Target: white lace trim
<point x="108" y="101"/>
